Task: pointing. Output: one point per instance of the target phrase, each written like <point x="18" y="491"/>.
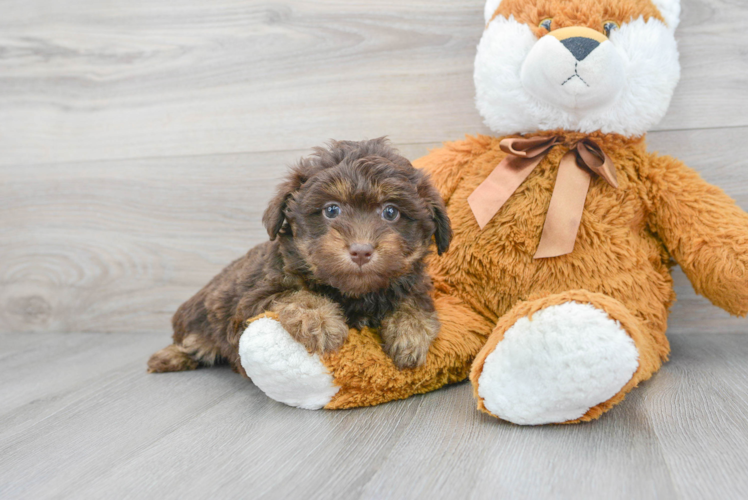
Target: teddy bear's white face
<point x="581" y="65"/>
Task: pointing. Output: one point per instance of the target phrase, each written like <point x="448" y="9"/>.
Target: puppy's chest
<point x="366" y="311"/>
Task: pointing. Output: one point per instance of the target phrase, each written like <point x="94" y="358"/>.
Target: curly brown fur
<point x="307" y="271"/>
<point x="314" y="321"/>
<point x="408" y="333"/>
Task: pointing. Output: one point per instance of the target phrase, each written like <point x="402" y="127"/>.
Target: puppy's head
<point x="357" y="215"/>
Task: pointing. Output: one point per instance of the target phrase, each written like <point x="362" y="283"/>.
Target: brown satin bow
<point x="567" y="201"/>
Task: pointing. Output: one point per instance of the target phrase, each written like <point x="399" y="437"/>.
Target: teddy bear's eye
<point x="546" y="23"/>
<point x="610" y="27"/>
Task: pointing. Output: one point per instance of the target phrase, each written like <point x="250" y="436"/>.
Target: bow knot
<point x="567" y="201"/>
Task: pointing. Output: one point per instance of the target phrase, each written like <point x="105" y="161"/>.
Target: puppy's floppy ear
<point x="443" y="231"/>
<point x="275" y="213"/>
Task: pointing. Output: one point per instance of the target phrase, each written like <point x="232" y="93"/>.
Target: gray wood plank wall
<point x="140" y="140"/>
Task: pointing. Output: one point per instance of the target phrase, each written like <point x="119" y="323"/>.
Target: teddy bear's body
<point x="620" y="263"/>
<point x="616" y="252"/>
<point x="548" y="337"/>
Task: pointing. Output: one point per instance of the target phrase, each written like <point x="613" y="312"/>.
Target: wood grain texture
<point x="91" y="80"/>
<point x="700" y="419"/>
<point x="86" y="424"/>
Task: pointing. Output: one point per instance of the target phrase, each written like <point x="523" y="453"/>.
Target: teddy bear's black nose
<point x="580" y="46"/>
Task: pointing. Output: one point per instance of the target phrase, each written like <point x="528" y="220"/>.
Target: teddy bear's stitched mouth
<point x="575" y="75"/>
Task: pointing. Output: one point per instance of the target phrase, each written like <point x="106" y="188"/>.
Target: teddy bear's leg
<point x="567" y="357"/>
<point x="282" y="368"/>
<point x="359" y="373"/>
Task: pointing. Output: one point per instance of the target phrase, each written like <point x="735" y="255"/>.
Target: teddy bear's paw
<point x="556" y="366"/>
<point x="282" y="368"/>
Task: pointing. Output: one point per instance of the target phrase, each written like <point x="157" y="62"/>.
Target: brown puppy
<point x="349" y="230"/>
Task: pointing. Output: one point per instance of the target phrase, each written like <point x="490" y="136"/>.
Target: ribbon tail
<point x="596" y="160"/>
<point x="490" y="196"/>
<point x="565" y="210"/>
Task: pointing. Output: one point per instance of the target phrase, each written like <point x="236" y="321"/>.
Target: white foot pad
<point x="554" y="368"/>
<point x="282" y="368"/>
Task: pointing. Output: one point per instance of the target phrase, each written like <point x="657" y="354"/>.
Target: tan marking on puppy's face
<point x="339" y="189"/>
<point x="332" y="263"/>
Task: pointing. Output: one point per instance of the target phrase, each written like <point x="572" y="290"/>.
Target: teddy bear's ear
<point x="670" y="10"/>
<point x="490" y="8"/>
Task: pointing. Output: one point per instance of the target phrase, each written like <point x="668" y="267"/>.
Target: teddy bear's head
<point x="579" y="65"/>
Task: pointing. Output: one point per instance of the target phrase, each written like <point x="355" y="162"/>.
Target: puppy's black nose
<point x="361" y="253"/>
<point x="580" y="46"/>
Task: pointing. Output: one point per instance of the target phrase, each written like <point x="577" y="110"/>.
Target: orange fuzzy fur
<point x="589" y="13"/>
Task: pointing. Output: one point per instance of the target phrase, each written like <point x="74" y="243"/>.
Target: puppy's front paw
<point x="314" y="322"/>
<point x="408" y="352"/>
<point x="408" y="337"/>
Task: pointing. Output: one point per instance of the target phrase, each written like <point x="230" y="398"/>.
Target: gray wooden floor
<point x="81" y="419"/>
<point x="139" y="143"/>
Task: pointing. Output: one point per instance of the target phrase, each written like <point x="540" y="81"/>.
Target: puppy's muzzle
<point x="361" y="253"/>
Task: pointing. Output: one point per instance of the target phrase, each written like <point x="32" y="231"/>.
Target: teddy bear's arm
<point x="447" y="164"/>
<point x="704" y="231"/>
<point x="367" y="376"/>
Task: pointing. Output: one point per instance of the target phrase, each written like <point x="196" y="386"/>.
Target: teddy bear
<point x="554" y="296"/>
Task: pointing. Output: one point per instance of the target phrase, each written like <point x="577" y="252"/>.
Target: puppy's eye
<point x="390" y="213"/>
<point x="331" y="211"/>
<point x="610" y="27"/>
<point x="546" y="23"/>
